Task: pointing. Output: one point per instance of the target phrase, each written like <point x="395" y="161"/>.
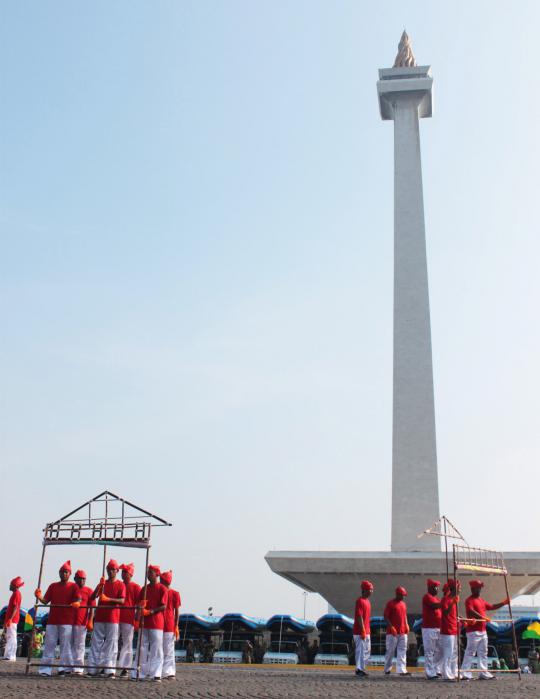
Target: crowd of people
<point x="440" y="628"/>
<point x="112" y="611"/>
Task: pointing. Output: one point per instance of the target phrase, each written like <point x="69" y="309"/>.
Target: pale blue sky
<point x="196" y="276"/>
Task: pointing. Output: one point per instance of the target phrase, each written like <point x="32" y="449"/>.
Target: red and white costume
<point x="59" y="624"/>
<point x="80" y="620"/>
<point x="151" y="628"/>
<point x="12" y="616"/>
<point x="448" y="637"/>
<point x="477" y="640"/>
<point x="104" y="645"/>
<point x="169" y="627"/>
<point x="431" y="630"/>
<point x="362" y="646"/>
<point x="396" y="613"/>
<point x="127" y="620"/>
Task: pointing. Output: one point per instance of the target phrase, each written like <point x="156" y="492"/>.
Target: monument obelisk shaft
<point x="405" y="96"/>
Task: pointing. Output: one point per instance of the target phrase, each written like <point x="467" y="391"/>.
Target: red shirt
<point x="449" y="624"/>
<point x="173" y="603"/>
<point x="362" y="609"/>
<point x="61" y="593"/>
<point x="156" y="595"/>
<point x="127" y="616"/>
<point x="80" y="616"/>
<point x="105" y="611"/>
<point x="480" y="606"/>
<point x="396" y="612"/>
<point x="14" y="605"/>
<point x="431" y="618"/>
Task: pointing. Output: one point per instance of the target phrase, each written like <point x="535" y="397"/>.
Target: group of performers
<point x="113" y="610"/>
<point x="440" y="627"/>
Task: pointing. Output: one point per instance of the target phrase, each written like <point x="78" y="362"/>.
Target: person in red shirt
<point x="152" y="603"/>
<point x="127" y="618"/>
<point x="62" y="596"/>
<point x="361" y="628"/>
<point x="11" y="619"/>
<point x="111" y="594"/>
<point x="477" y="640"/>
<point x="431" y="629"/>
<point x="397" y="629"/>
<point x="170" y="626"/>
<point x="82" y="622"/>
<point x="449" y="630"/>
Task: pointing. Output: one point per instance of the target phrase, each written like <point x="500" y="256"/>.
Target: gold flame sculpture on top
<point x="405" y="57"/>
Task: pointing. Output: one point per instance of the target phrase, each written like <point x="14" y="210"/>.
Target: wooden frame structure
<point x="105" y="520"/>
<point x="444" y="528"/>
<point x="484" y="561"/>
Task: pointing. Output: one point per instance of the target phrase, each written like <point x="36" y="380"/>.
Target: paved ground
<point x="259" y="681"/>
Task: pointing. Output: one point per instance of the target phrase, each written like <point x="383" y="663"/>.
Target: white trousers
<point x="56" y="634"/>
<point x="448" y="646"/>
<point x="362" y="651"/>
<point x="78" y="643"/>
<point x="125" y="660"/>
<point x="396" y="645"/>
<point x="151" y="654"/>
<point x="10" y="651"/>
<point x="432" y="652"/>
<point x="103" y="648"/>
<point x="477" y="643"/>
<point x="169" y="661"/>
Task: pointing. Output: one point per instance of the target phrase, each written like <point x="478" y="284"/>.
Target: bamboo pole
<point x="105" y="545"/>
<point x="36" y="604"/>
<point x="458" y="640"/>
<point x="514" y="640"/>
<point x="141" y="618"/>
<point x="446" y="548"/>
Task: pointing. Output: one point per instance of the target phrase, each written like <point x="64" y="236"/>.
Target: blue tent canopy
<point x="23" y="613"/>
<point x="336" y="622"/>
<point x="286" y="622"/>
<point x="249" y="623"/>
<point x="377" y="621"/>
<point x="505" y="630"/>
<point x="205" y="623"/>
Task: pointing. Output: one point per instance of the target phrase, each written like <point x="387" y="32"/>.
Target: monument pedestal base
<point x="336" y="575"/>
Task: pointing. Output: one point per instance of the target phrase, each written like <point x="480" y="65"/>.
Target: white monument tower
<point x="404" y="97"/>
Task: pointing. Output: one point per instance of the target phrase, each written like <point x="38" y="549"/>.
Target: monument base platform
<point x="336" y="575"/>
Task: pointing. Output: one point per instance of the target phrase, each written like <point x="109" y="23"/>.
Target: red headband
<point x="112" y="565"/>
<point x="128" y="567"/>
<point x="80" y="574"/>
<point x="66" y="566"/>
<point x="17" y="582"/>
<point x="366" y="585"/>
<point x="476" y="584"/>
<point x="156" y="569"/>
<point x="166" y="577"/>
<point x="401" y="591"/>
<point x="433" y="583"/>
